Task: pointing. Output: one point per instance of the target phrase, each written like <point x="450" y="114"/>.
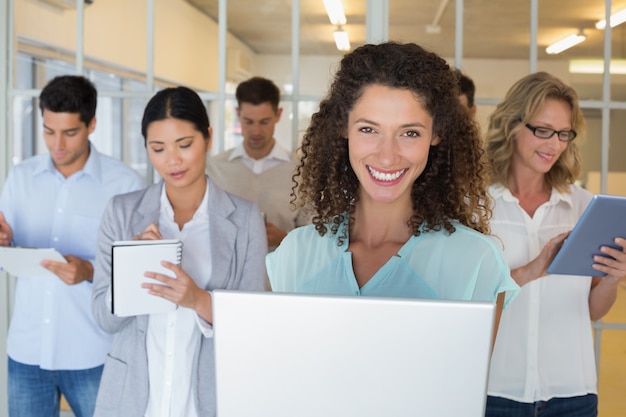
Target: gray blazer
<point x="238" y="246"/>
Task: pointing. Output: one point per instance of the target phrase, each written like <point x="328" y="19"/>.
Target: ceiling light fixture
<point x="335" y="12"/>
<point x="616" y="19"/>
<point x="434" y="27"/>
<point x="566" y="43"/>
<point x="341" y="39"/>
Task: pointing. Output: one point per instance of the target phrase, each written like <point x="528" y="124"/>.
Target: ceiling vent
<point x="238" y="65"/>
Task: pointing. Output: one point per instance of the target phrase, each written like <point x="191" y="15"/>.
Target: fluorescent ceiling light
<point x="596" y="66"/>
<point x="566" y="43"/>
<point x="341" y="40"/>
<point x="616" y="19"/>
<point x="334" y="9"/>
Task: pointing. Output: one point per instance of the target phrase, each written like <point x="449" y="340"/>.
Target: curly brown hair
<point x="453" y="183"/>
<point x="522" y="102"/>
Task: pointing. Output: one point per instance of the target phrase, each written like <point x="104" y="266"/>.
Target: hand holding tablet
<point x="602" y="221"/>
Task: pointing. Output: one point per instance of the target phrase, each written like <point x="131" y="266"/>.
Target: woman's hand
<point x="615" y="269"/>
<point x="604" y="289"/>
<point x="151" y="232"/>
<point x="537" y="267"/>
<point x="181" y="290"/>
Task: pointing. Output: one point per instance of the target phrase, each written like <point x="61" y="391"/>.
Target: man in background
<point x="468" y="90"/>
<point x="55" y="200"/>
<point x="260" y="169"/>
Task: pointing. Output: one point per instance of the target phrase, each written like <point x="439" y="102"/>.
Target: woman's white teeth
<point x="380" y="176"/>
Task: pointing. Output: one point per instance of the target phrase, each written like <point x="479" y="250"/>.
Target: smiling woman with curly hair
<point x="452" y="185"/>
<point x="392" y="168"/>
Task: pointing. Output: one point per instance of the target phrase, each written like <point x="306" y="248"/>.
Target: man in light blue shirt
<point x="56" y="200"/>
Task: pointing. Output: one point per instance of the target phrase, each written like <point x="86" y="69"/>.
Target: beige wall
<point x="115" y="32"/>
<point x="616" y="183"/>
<point x="316" y="71"/>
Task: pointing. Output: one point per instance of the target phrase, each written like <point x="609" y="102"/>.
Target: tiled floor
<point x="65" y="409"/>
<point x="612" y="371"/>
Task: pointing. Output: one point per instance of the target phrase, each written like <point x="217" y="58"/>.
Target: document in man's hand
<point x="24" y="262"/>
<point x="130" y="259"/>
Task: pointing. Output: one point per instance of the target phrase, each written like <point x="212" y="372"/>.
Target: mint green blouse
<point x="464" y="265"/>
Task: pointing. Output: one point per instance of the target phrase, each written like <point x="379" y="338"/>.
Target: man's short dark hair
<point x="258" y="90"/>
<point x="467" y="87"/>
<point x="70" y="94"/>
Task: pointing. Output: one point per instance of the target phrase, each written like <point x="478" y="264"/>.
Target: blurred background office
<point x="131" y="48"/>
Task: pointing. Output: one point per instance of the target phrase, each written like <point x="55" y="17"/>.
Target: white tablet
<point x="603" y="220"/>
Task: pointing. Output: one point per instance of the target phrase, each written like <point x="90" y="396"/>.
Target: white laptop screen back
<point x="294" y="355"/>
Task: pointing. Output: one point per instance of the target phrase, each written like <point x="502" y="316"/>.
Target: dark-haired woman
<point x="391" y="166"/>
<point x="162" y="364"/>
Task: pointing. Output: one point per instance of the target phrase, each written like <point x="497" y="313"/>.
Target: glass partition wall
<point x="212" y="45"/>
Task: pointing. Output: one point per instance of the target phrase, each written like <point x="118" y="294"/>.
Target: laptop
<point x="286" y="355"/>
<point x="602" y="221"/>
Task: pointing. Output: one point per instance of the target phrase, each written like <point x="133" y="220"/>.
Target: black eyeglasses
<point x="547" y="133"/>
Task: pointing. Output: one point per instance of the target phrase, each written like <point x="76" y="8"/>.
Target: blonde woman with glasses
<point x="543" y="359"/>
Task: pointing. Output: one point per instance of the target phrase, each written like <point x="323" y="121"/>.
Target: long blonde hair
<point x="523" y="101"/>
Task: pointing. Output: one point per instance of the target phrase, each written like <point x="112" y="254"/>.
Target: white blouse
<point x="173" y="338"/>
<point x="544" y="346"/>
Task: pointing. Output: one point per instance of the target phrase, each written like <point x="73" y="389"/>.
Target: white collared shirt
<point x="173" y="338"/>
<point x="544" y="347"/>
<point x="277" y="156"/>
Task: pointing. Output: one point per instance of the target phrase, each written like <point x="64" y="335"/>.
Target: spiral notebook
<point x="130" y="259"/>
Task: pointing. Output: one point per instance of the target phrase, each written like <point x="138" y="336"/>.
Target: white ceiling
<point x="491" y="28"/>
